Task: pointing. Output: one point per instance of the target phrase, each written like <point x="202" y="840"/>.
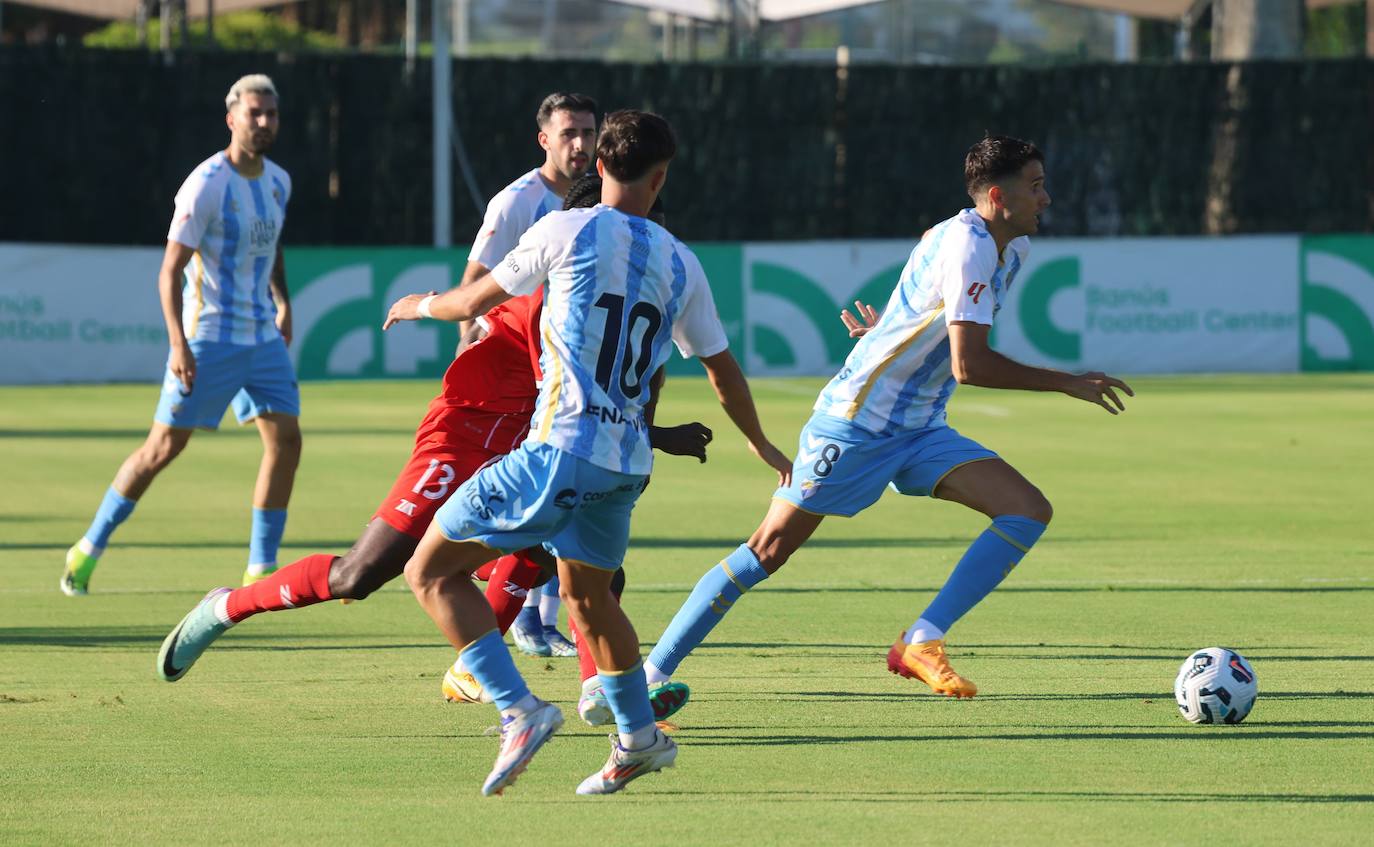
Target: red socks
<point x="302" y="583"/>
<point x="510" y="578"/>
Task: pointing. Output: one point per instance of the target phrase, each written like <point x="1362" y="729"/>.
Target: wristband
<point x="423" y="308"/>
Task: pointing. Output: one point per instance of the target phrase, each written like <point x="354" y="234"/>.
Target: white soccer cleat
<point x="521" y="738"/>
<point x="626" y="765"/>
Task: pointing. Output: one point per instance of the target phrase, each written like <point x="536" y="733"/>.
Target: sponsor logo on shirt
<point x="611" y="414"/>
<point x="262" y="234"/>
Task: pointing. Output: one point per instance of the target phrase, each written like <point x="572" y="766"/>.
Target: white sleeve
<point x="697" y="330"/>
<point x="502" y="226"/>
<point x="197" y="205"/>
<point x="966" y="277"/>
<point x="526" y="267"/>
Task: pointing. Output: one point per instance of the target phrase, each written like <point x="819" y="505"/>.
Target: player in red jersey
<point x="482" y="413"/>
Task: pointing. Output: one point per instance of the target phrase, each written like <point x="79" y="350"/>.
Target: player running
<point x="482" y="413"/>
<point x="618" y="288"/>
<point x="880" y="422"/>
<point x="228" y="324"/>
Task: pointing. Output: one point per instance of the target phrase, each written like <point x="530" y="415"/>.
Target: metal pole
<point x="164" y="19"/>
<point x="441" y="105"/>
<point x="1369" y="28"/>
<point x="412" y="34"/>
<point x="461" y="36"/>
<point x="1126" y="41"/>
<point x="210" y="22"/>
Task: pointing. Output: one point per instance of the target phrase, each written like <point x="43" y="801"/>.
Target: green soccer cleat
<point x="76" y="577"/>
<point x="196" y="632"/>
<point x="666" y="698"/>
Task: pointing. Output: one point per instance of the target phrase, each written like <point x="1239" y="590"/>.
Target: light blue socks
<point x="714" y="595"/>
<point x="988" y="561"/>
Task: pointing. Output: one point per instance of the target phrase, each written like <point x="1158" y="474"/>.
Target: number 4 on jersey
<point x="975" y="290"/>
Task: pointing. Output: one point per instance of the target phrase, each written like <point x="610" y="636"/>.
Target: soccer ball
<point x="1215" y="685"/>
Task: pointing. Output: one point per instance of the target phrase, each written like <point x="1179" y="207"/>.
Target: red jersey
<point x="498" y="374"/>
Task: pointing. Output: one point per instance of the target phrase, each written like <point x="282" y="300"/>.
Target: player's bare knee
<point x="1037" y="507"/>
<point x="352" y="578"/>
<point x="417" y="577"/>
<point x="158" y="452"/>
<point x="286" y="446"/>
<point x="771" y="547"/>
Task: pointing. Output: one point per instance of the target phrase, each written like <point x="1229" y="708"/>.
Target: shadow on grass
<point x="107" y="637"/>
<point x="727" y="544"/>
<point x="1049" y="651"/>
<point x="1163" y="696"/>
<point x="1103" y="588"/>
<point x="140" y="434"/>
<point x="236" y="544"/>
<point x="904" y="797"/>
<point x="1185" y="734"/>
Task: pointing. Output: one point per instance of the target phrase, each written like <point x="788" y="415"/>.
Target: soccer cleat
<point x="594" y="708"/>
<point x="626" y="765"/>
<point x="76" y="576"/>
<point x="250" y="576"/>
<point x="521" y="738"/>
<point x="197" y="631"/>
<point x="529" y="636"/>
<point x="928" y="663"/>
<point x="463" y="687"/>
<point x="559" y="645"/>
<point x="666" y="698"/>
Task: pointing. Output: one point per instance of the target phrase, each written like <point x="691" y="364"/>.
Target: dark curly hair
<point x="586" y="192"/>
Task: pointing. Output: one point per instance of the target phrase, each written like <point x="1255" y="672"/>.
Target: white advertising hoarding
<point x="80" y="314"/>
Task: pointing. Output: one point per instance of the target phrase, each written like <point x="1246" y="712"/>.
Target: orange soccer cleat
<point x="928" y="663"/>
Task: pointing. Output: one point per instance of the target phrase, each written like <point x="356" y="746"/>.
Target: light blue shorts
<point x="842" y="469"/>
<point x="256" y="379"/>
<point x="542" y="495"/>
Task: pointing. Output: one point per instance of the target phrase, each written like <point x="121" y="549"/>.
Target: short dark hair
<point x="586" y="193"/>
<point x="632" y="142"/>
<point x="995" y="158"/>
<point x="563" y="101"/>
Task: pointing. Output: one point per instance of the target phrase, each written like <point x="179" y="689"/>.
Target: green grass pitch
<point x="1217" y="510"/>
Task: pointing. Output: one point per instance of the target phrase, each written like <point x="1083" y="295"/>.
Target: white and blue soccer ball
<point x="1216" y="685"/>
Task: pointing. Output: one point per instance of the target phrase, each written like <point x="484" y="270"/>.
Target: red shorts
<point x="451" y="445"/>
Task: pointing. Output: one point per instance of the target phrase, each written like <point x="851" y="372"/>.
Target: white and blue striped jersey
<point x="899" y="377"/>
<point x="511" y="212"/>
<point x="233" y="224"/>
<point x="618" y="288"/>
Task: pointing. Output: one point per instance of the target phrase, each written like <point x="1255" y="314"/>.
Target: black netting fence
<point x="95" y="143"/>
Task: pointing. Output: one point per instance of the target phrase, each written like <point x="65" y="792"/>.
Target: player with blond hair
<point x="228" y="316"/>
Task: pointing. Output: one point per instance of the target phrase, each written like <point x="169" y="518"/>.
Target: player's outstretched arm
<point x="457" y="304"/>
<point x="469" y="331"/>
<point x="181" y="361"/>
<point x="974" y="362"/>
<point x="732" y="390"/>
